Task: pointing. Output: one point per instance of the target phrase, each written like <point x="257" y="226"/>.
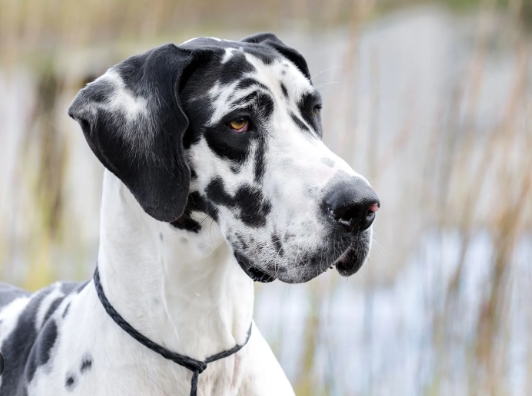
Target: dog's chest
<point x="75" y="349"/>
<point x="85" y="363"/>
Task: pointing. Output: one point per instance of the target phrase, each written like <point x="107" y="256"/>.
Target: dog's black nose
<point x="352" y="205"/>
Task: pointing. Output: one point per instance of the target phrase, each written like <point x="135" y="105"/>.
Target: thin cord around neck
<point x="196" y="366"/>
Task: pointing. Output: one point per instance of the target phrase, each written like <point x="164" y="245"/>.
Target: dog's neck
<point x="181" y="289"/>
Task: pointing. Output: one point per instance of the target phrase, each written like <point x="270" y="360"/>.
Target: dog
<point x="216" y="177"/>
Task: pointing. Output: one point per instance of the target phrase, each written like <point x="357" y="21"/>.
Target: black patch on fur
<point x="41" y="351"/>
<point x="193" y="175"/>
<point x="248" y="200"/>
<point x="299" y="123"/>
<point x="70" y="382"/>
<point x="235" y="168"/>
<point x="285" y="92"/>
<point x="65" y="312"/>
<point x="86" y="364"/>
<point x="242" y="243"/>
<point x="260" y="160"/>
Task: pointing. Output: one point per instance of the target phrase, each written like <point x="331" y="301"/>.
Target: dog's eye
<point x="316" y="110"/>
<point x="239" y="124"/>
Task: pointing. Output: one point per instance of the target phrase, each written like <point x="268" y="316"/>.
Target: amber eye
<point x="315" y="111"/>
<point x="239" y="124"/>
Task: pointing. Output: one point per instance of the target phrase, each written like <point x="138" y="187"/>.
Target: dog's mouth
<point x="350" y="261"/>
<point x="254" y="273"/>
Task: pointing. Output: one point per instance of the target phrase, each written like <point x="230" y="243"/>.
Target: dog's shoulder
<point x="8" y="293"/>
<point x="29" y="329"/>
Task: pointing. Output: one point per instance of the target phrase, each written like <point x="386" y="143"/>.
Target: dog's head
<point x="232" y="129"/>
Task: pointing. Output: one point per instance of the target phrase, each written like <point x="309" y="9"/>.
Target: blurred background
<point x="431" y="100"/>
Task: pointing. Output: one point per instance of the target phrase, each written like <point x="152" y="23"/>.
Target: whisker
<point x="323" y="71"/>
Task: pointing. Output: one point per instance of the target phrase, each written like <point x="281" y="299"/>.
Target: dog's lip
<point x="349" y="261"/>
<point x="253" y="272"/>
<point x="257" y="275"/>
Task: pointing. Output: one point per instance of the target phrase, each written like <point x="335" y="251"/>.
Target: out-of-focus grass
<point x="476" y="178"/>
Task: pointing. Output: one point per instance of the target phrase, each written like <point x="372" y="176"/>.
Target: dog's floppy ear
<point x="273" y="41"/>
<point x="133" y="121"/>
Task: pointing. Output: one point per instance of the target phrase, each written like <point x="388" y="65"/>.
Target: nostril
<point x="352" y="206"/>
<point x="345" y="214"/>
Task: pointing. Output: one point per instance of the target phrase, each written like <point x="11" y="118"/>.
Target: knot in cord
<point x="196" y="366"/>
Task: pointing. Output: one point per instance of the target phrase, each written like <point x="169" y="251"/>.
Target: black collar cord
<point x="196" y="366"/>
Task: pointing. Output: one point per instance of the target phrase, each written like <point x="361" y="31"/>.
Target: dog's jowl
<point x="216" y="176"/>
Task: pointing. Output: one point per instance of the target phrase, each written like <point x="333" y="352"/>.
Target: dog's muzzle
<point x="350" y="206"/>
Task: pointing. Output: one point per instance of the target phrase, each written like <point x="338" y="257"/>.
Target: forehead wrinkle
<point x="239" y="94"/>
<point x="220" y="95"/>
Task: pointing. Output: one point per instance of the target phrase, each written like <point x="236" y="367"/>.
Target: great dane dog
<point x="216" y="177"/>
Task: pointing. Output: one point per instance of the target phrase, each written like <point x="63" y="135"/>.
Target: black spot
<point x="70" y="382"/>
<point x="86" y="364"/>
<point x="248" y="200"/>
<point x="259" y="160"/>
<point x="41" y="351"/>
<point x="193" y="174"/>
<point x="65" y="312"/>
<point x="161" y="237"/>
<point x="285" y="92"/>
<point x="242" y="243"/>
<point x="299" y="123"/>
<point x="235" y="168"/>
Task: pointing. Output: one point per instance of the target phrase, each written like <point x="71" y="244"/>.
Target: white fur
<point x="185" y="292"/>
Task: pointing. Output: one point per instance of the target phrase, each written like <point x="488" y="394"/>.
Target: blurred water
<point x="389" y="111"/>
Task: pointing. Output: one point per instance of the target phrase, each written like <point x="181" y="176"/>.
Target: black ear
<point x="273" y="41"/>
<point x="133" y="121"/>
